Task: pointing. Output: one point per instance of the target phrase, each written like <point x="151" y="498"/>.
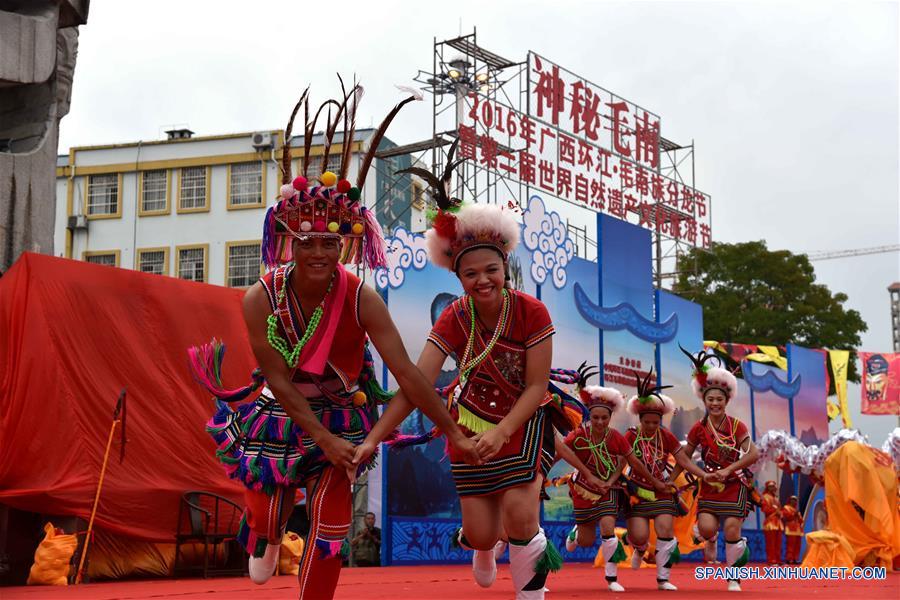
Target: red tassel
<point x="445" y="225"/>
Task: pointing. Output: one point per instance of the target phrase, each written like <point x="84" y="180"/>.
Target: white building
<point x="193" y="207"/>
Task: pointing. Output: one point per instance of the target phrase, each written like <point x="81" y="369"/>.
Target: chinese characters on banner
<point x="584" y="145"/>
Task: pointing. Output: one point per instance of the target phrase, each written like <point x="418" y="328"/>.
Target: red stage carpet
<point x="454" y="582"/>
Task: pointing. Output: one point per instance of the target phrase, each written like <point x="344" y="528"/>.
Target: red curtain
<point x="72" y="335"/>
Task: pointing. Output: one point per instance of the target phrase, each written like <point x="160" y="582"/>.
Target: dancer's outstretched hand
<point x="339" y="452"/>
<point x="488" y="444"/>
<point x="363" y="452"/>
<point x="466" y="446"/>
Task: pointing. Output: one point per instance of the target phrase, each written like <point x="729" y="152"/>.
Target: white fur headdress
<point x="708" y="377"/>
<point x="648" y="399"/>
<point x="457" y="228"/>
<point x="596" y="395"/>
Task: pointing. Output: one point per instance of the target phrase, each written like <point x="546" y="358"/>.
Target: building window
<point x="103" y="194"/>
<point x="154" y="260"/>
<point x="315" y="166"/>
<point x="192" y="263"/>
<point x="245" y="185"/>
<point x="108" y="259"/>
<point x="154" y="191"/>
<point x="192" y="194"/>
<point x="242" y="260"/>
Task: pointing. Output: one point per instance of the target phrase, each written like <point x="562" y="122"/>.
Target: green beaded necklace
<point x="469" y="365"/>
<point x="598" y="451"/>
<point x="291" y="357"/>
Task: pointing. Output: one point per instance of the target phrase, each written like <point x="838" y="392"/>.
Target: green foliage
<point x="752" y="295"/>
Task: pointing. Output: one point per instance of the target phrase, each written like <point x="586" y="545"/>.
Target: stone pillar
<point x="37" y="61"/>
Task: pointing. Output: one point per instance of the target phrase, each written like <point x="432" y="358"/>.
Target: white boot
<point x="664" y="550"/>
<point x="529" y="585"/>
<point x="572" y="540"/>
<point x="261" y="569"/>
<point x="734" y="586"/>
<point x="484" y="567"/>
<point x="499" y="549"/>
<point x="608" y="547"/>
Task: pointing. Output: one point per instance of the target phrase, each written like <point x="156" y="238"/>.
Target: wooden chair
<point x="210" y="519"/>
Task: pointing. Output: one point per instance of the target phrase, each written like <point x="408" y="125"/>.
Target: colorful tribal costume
<point x="492" y="369"/>
<point x="721" y="446"/>
<point x="601" y="451"/>
<point x="772" y="526"/>
<point x="257" y="442"/>
<point x="793" y="530"/>
<point x="654" y="450"/>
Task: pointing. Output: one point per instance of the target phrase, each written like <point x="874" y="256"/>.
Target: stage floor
<point x="454" y="582"/>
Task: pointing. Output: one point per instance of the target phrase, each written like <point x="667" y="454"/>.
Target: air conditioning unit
<point x="262" y="140"/>
<point x="77" y="222"/>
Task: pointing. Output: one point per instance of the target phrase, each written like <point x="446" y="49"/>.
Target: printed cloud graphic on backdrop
<point x="547" y="237"/>
<point x="405" y="251"/>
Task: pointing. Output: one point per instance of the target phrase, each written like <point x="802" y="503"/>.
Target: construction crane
<point x="828" y="255"/>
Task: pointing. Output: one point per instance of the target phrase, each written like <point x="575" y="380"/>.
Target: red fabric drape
<point x="72" y="335"/>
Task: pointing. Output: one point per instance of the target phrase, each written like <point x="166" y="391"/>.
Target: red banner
<point x="880" y="383"/>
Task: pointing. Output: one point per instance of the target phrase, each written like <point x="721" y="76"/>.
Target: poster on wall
<point x="880" y="383"/>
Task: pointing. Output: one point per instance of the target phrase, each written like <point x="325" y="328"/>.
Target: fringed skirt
<point x="649" y="503"/>
<point x="590" y="507"/>
<point x="518" y="462"/>
<point x="261" y="447"/>
<point x="730" y="501"/>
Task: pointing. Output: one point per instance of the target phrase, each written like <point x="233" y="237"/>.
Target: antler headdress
<point x="595" y="395"/>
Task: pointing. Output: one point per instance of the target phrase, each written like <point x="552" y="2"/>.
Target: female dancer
<point x="501" y="339"/>
<point x="653" y="444"/>
<point x="727" y="450"/>
<point x="604" y="451"/>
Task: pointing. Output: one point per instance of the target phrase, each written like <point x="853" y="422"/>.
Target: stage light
<point x="482" y="77"/>
<point x="454" y="73"/>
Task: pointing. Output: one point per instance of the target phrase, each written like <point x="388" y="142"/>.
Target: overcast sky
<point x="793" y="106"/>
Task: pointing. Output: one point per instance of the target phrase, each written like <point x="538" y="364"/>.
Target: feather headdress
<point x="648" y="398"/>
<point x="456" y="227"/>
<point x="708" y="377"/>
<point x="333" y="207"/>
<point x="595" y="395"/>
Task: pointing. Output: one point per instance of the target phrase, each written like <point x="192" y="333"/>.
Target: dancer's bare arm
<point x="278" y="378"/>
<point x="377" y="322"/>
<point x="430" y="362"/>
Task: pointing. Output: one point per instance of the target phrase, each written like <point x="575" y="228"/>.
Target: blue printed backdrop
<point x="604" y="312"/>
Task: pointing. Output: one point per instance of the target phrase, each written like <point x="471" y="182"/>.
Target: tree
<point x="753" y="295"/>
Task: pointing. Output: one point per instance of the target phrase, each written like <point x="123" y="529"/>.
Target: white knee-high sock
<point x="664" y="550"/>
<point x="737" y="554"/>
<point x="523" y="558"/>
<point x="608" y="546"/>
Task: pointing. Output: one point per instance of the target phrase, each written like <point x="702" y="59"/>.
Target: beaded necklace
<point x="726" y="441"/>
<point x="599" y="452"/>
<point x="649" y="450"/>
<point x="469" y="365"/>
<point x="291" y="357"/>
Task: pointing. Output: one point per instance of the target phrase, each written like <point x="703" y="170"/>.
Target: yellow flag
<point x="839" y="362"/>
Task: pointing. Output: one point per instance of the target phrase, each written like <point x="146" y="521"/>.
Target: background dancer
<point x="653" y="444"/>
<point x="727" y="449"/>
<point x="605" y="453"/>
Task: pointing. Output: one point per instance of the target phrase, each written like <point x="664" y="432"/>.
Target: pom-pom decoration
<point x="328" y="178"/>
